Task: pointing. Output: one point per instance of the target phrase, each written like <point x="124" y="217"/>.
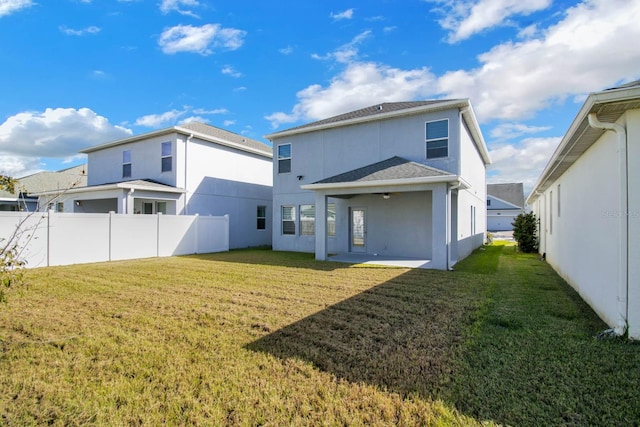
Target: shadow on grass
<point x="264" y="256"/>
<point x="400" y="335"/>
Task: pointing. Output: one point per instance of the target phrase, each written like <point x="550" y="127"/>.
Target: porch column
<point x="440" y="222"/>
<point x="321" y="226"/>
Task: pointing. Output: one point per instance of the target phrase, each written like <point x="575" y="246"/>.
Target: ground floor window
<point x="288" y="220"/>
<point x="307" y="220"/>
<point x="261" y="217"/>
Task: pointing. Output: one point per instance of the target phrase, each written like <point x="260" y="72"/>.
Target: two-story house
<point x="188" y="169"/>
<point x="504" y="203"/>
<point x="402" y="179"/>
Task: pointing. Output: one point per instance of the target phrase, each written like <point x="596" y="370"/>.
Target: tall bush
<point x="525" y="232"/>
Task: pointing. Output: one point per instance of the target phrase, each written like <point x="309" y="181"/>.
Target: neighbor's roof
<point x="136" y="184"/>
<point x="393" y="171"/>
<point x="49" y="181"/>
<point x="389" y="110"/>
<point x="201" y="131"/>
<point x="609" y="105"/>
<point x="512" y="192"/>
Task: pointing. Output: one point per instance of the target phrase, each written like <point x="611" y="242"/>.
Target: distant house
<point x="24" y="199"/>
<point x="400" y="179"/>
<point x="189" y="169"/>
<point x="504" y="203"/>
<point x="588" y="203"/>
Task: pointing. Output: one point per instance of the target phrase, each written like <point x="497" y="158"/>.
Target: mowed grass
<point x="239" y="338"/>
<point x="257" y="337"/>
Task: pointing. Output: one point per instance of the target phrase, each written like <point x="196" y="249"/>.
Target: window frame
<point x="292" y="220"/>
<point x="126" y="164"/>
<point x="436" y="140"/>
<point x="283" y="158"/>
<point x="261" y="220"/>
<point x="164" y="165"/>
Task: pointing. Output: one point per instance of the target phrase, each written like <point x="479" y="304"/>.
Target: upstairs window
<point x="437" y="137"/>
<point x="126" y="164"/>
<point x="284" y="158"/>
<point x="167" y="158"/>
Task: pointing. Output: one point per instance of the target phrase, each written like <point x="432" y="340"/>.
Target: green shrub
<point x="525" y="228"/>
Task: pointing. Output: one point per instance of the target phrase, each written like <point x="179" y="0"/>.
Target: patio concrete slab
<point x="370" y="259"/>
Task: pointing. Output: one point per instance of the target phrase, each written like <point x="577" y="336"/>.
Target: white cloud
<point x="187" y="38"/>
<point x="159" y="120"/>
<point x="390" y="29"/>
<point x="56" y="132"/>
<point x="7" y="7"/>
<point x="168" y="6"/>
<point x="19" y="166"/>
<point x="590" y="47"/>
<point x="193" y="119"/>
<point x="286" y="50"/>
<point x="507" y="131"/>
<point x="467" y="17"/>
<point x="347" y="14"/>
<point x="214" y="111"/>
<point x="229" y="122"/>
<point x="361" y="84"/>
<point x="347" y="52"/>
<point x="71" y="32"/>
<point x="230" y="71"/>
<point x="521" y="163"/>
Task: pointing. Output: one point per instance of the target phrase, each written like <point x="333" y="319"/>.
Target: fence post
<point x="196" y="220"/>
<point x="158" y="235"/>
<point x="111" y="213"/>
<point x="226" y="231"/>
<point x="49" y="212"/>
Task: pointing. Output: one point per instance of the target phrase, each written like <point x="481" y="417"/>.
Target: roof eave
<point x="593" y="100"/>
<point x="385" y="183"/>
<point x="444" y="105"/>
<point x="109" y="187"/>
<point x="182" y="131"/>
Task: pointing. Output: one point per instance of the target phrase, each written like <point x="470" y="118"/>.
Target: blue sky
<point x="77" y="73"/>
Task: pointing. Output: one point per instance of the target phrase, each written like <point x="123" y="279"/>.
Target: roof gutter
<point x="454" y="179"/>
<point x="623" y="259"/>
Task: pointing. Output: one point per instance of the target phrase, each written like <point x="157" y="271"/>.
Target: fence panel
<point x="78" y="238"/>
<point x="134" y="236"/>
<point x="31" y="237"/>
<point x="177" y="235"/>
<point x="52" y="238"/>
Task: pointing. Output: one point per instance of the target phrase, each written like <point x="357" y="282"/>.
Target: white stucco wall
<point x="582" y="240"/>
<point x="105" y="165"/>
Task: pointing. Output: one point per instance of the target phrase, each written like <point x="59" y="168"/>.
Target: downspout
<point x="623" y="262"/>
<point x="186" y="191"/>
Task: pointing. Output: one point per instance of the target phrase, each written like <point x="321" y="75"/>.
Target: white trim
<point x="388" y="182"/>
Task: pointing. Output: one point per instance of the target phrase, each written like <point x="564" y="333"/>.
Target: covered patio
<point x="417" y="231"/>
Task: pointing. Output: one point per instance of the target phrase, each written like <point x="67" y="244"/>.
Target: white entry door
<point x="358" y="238"/>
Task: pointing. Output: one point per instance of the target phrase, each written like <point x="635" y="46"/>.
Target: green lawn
<point x="271" y="338"/>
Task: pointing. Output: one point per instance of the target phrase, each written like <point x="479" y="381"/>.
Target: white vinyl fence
<point x="51" y="238"/>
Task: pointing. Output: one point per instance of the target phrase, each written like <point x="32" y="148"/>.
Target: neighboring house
<point x="188" y="169"/>
<point x="46" y="181"/>
<point x="588" y="203"/>
<point x="401" y="179"/>
<point x="504" y="203"/>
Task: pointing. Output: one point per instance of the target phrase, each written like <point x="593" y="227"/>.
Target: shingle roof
<point x="390" y="169"/>
<point x="509" y="192"/>
<point x="49" y="181"/>
<point x="635" y="83"/>
<point x="385" y="107"/>
<point x="226" y="135"/>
